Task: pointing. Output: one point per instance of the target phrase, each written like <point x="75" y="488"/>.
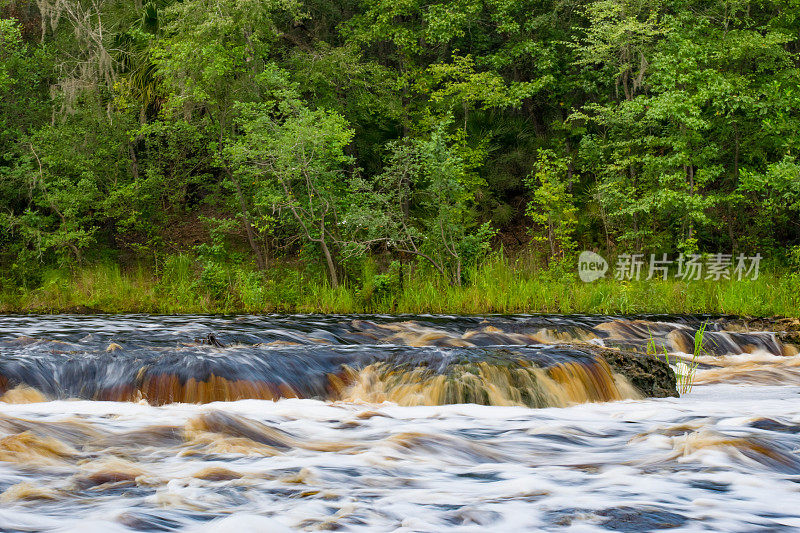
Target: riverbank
<point x="496" y="287"/>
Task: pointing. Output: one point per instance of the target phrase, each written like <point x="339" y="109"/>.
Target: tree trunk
<point x="635" y="182"/>
<point x="329" y="261"/>
<point x="134" y="162"/>
<point x="248" y="225"/>
<point x="691" y="194"/>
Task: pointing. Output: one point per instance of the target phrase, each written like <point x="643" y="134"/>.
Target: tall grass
<point x="684" y="371"/>
<point x="499" y="285"/>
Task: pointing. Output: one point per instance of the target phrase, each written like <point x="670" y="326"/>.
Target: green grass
<point x="499" y="285"/>
<point x="684" y="370"/>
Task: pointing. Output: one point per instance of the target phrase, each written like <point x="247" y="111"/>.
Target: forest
<point x="316" y="155"/>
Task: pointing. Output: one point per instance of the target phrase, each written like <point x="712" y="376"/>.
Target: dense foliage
<point x="417" y="133"/>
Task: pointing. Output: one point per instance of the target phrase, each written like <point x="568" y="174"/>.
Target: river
<point x="379" y="423"/>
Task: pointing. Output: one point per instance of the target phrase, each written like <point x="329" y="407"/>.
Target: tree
<point x="552" y="206"/>
<point x="421" y="205"/>
<point x="209" y="64"/>
<point x="295" y="158"/>
<point x="668" y="156"/>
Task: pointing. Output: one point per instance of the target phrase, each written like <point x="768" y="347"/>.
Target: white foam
<point x="464" y="467"/>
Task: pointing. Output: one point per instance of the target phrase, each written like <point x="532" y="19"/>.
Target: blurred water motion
<point x="377" y="427"/>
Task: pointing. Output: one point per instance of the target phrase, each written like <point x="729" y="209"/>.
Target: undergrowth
<point x="499" y="285"/>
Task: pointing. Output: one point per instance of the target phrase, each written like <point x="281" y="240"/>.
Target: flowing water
<point x="191" y="423"/>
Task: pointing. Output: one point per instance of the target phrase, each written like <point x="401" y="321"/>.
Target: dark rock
<point x="652" y="376"/>
<point x="635" y="519"/>
<point x="212" y="340"/>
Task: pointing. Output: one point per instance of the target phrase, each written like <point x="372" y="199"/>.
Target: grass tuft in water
<point x="684" y="372"/>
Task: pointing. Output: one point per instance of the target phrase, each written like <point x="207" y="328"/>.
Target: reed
<point x="684" y="371"/>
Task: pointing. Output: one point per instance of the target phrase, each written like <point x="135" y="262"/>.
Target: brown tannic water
<point x="140" y="423"/>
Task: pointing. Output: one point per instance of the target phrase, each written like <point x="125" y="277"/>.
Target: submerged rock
<point x="82" y="310"/>
<point x="786" y="330"/>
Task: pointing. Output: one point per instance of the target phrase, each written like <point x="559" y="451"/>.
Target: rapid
<point x="386" y="423"/>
